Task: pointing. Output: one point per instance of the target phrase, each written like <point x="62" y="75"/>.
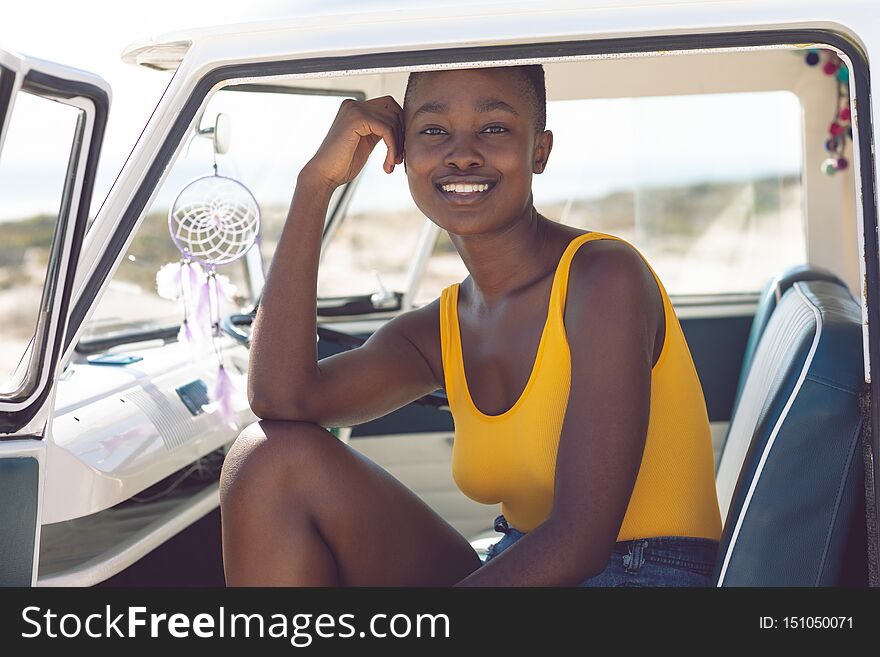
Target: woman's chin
<point x="465" y="226"/>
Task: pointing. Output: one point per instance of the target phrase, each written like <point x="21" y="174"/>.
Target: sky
<point x="91" y="35"/>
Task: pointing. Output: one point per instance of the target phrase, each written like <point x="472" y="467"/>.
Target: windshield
<point x="267" y="148"/>
<point x="714" y="209"/>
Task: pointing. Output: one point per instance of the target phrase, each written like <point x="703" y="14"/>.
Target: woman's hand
<point x="358" y="127"/>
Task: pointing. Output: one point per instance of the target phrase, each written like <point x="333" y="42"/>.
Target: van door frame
<point x="91" y="96"/>
<point x="862" y="139"/>
<point x="25" y="410"/>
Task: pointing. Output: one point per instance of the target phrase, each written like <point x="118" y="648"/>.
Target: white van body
<point x="100" y="436"/>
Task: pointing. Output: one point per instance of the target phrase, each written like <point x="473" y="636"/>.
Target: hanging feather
<point x="226" y="288"/>
<point x="169" y="284"/>
<point x="203" y="316"/>
<point x="185" y="334"/>
<point x="215" y="300"/>
<point x="193" y="279"/>
<point x="223" y="391"/>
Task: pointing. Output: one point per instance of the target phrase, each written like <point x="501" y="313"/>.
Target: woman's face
<point x="472" y="131"/>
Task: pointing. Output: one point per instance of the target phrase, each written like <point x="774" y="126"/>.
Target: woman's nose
<point x="464" y="153"/>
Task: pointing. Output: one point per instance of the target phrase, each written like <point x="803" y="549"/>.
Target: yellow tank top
<point x="511" y="458"/>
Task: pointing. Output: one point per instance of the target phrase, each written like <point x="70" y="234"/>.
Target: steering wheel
<point x="231" y="324"/>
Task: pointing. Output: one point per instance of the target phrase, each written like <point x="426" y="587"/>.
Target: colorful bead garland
<point x="840" y="127"/>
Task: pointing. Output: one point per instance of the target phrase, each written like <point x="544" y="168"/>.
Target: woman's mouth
<point x="465" y="192"/>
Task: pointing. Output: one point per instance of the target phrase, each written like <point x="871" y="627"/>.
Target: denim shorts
<point x="655" y="561"/>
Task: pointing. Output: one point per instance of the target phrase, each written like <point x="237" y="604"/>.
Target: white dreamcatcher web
<point x="214" y="220"/>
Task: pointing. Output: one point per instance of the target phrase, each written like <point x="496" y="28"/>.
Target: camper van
<point x="730" y="142"/>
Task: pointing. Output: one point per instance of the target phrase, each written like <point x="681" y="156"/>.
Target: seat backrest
<point x="789" y="481"/>
<point x="769" y="298"/>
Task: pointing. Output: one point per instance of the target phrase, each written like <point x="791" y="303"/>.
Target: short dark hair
<point x="531" y="77"/>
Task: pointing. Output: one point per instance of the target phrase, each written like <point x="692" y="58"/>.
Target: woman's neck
<point x="500" y="263"/>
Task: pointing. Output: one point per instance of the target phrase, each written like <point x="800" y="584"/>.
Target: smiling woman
<point x="604" y="444"/>
<point x="485" y="137"/>
<point x="686" y="165"/>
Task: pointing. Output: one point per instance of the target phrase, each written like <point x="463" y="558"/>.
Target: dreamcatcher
<point x="213" y="221"/>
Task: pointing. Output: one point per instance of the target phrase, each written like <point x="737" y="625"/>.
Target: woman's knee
<point x="272" y="453"/>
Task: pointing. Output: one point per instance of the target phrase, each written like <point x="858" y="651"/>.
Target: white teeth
<point x="465" y="188"/>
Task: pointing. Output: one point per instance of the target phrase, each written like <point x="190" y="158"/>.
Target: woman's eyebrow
<point x="431" y="107"/>
<point x="482" y="105"/>
<point x="490" y="104"/>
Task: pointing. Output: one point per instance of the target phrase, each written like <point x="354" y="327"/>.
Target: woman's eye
<point x="433" y="131"/>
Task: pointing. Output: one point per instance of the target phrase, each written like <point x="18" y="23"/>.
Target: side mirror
<point x="222" y="134"/>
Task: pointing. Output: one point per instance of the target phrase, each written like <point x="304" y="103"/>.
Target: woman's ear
<point x="543" y="146"/>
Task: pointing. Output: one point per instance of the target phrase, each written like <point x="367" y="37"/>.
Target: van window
<point x="707" y="187"/>
<point x="33" y="168"/>
<point x="375" y="245"/>
<point x="268" y="147"/>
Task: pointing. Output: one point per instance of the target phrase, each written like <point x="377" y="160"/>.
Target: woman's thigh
<point x="286" y="477"/>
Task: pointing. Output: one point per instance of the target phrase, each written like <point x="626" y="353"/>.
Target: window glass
<point x="378" y="238"/>
<point x="707" y="187"/>
<point x="268" y="146"/>
<point x="32" y="173"/>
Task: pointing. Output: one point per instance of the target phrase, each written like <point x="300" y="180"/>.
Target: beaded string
<point x="840" y="128"/>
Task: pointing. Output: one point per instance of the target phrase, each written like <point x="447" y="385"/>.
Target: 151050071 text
<point x="806" y="623"/>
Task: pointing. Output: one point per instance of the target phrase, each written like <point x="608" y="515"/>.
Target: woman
<point x="579" y="408"/>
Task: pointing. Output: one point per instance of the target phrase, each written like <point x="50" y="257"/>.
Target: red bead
<point x="835" y="129"/>
<point x="845" y="114"/>
<point x="830" y="68"/>
<point x="842" y="163"/>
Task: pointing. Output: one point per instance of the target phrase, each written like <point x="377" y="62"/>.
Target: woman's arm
<point x="613" y="312"/>
<point x="284" y="377"/>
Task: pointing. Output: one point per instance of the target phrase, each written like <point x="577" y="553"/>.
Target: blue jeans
<point x="656" y="561"/>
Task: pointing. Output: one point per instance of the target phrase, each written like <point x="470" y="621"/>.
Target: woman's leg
<point x="301" y="508"/>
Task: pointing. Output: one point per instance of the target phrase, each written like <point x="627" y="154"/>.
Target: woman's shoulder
<point x="421" y="326"/>
<point x="604" y="250"/>
<point x="610" y="262"/>
<point x="611" y="276"/>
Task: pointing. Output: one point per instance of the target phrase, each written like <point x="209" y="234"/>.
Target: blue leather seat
<point x="770" y="296"/>
<point x="790" y="477"/>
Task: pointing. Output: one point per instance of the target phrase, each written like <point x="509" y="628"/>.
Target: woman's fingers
<point x="379" y="118"/>
<point x="371" y="129"/>
<point x="401" y="127"/>
<point x="391" y="113"/>
<point x="357" y="129"/>
<point x="397" y="111"/>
